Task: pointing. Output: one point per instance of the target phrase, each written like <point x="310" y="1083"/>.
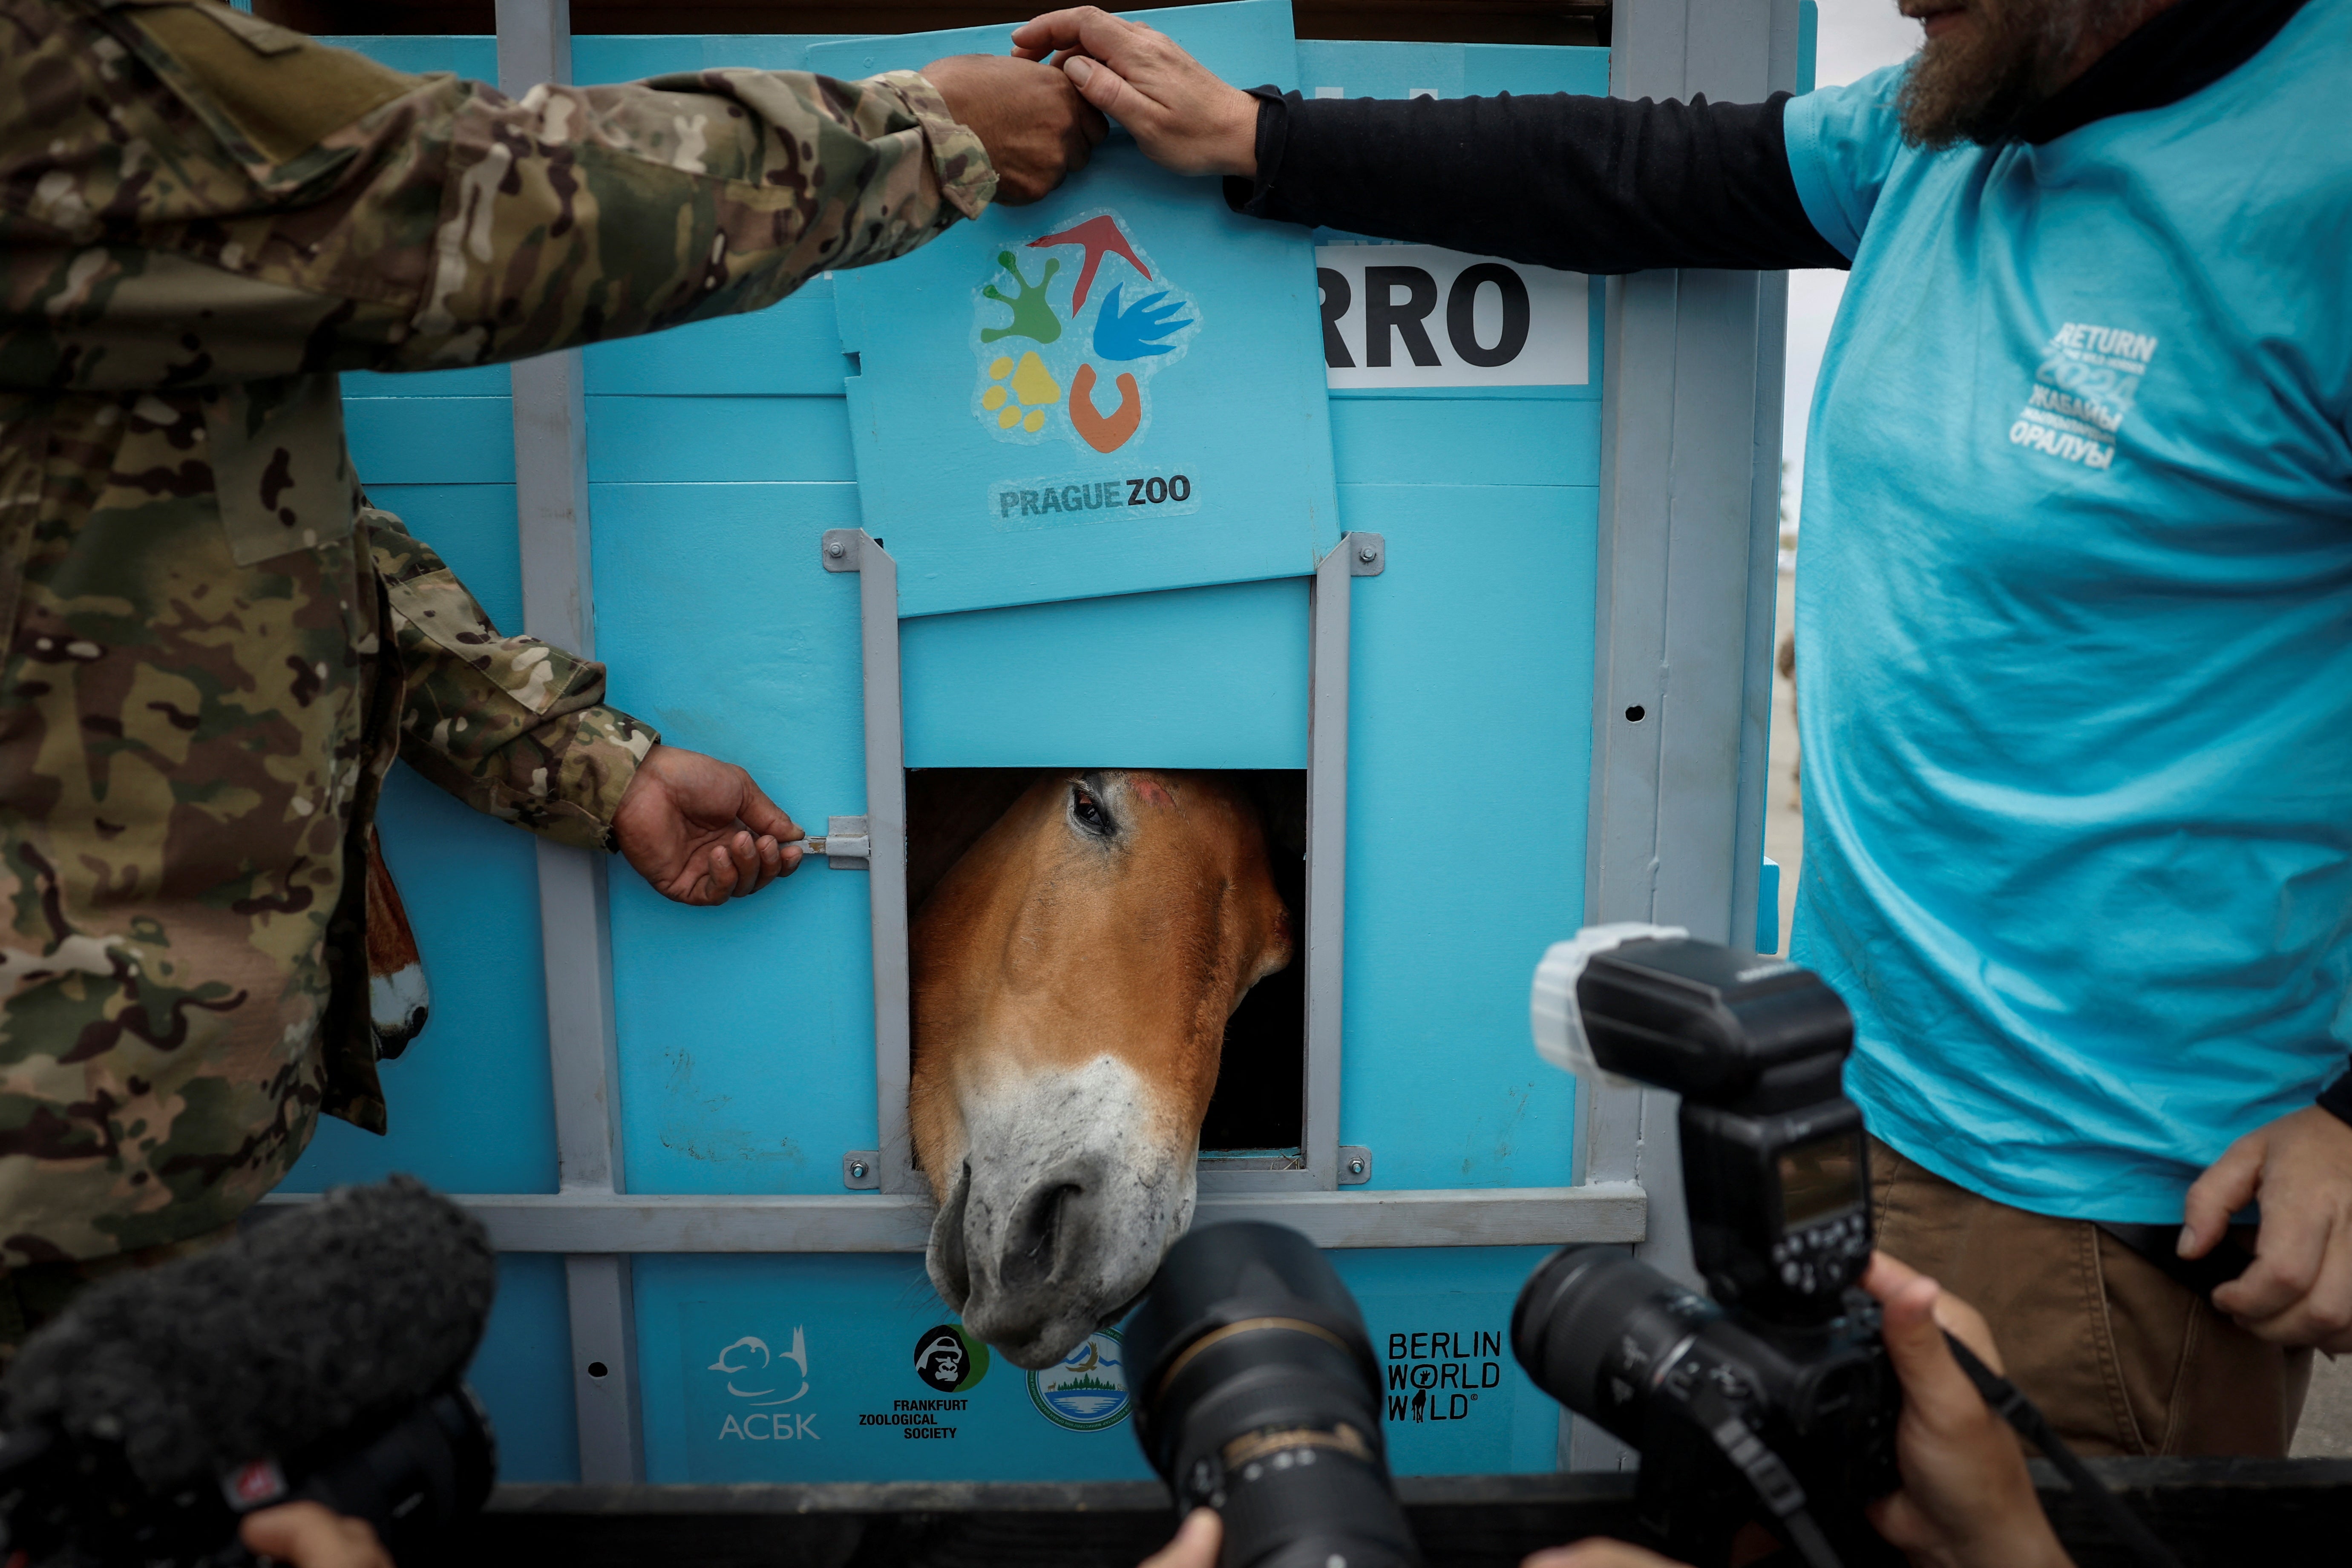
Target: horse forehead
<point x="1149" y="790"/>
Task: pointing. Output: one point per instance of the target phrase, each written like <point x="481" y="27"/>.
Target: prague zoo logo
<point x="1067" y="321"/>
<point x="1087" y="1391"/>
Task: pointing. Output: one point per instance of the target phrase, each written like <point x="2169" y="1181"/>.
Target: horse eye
<point x="1089" y="811"/>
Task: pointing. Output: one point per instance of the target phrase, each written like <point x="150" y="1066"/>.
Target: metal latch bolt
<point x="845" y="844"/>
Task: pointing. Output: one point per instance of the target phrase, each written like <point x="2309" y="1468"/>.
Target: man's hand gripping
<point x="700" y="831"/>
<point x="1180" y="114"/>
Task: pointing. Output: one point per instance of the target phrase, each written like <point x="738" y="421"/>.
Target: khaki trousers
<point x="2121" y="1358"/>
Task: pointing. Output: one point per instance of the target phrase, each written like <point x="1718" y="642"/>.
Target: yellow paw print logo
<point x="1024" y="398"/>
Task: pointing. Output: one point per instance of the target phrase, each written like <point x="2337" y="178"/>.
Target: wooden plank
<point x="1394" y="439"/>
<point x="791" y="349"/>
<point x="708" y="440"/>
<point x="431" y="440"/>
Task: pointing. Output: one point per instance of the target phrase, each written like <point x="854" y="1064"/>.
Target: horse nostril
<point x="1030" y="1246"/>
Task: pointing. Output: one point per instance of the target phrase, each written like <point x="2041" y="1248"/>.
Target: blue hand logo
<point x="1139" y="331"/>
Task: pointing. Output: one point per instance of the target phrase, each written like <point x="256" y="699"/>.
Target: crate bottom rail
<point x="597" y="1221"/>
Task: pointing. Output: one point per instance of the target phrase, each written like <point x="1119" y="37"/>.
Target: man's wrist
<point x="960" y="159"/>
<point x="1237" y="146"/>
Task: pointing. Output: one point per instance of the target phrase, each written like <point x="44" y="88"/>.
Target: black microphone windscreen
<point x="301" y="1329"/>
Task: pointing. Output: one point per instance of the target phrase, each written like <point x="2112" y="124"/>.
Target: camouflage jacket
<point x="203" y="218"/>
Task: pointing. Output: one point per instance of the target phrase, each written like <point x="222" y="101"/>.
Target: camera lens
<point x="1258" y="1394"/>
<point x="1592" y="1325"/>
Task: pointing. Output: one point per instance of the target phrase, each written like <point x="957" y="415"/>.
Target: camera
<point x="1777" y="1395"/>
<point x="1257" y="1394"/>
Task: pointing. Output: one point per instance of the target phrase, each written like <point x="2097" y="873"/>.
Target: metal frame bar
<point x="1330" y="626"/>
<point x="625" y="1222"/>
<point x="1689" y="482"/>
<point x="855" y="549"/>
<point x="846" y="550"/>
<point x="575" y="925"/>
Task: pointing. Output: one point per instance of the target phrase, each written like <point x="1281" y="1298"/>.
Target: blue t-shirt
<point x="2075" y="627"/>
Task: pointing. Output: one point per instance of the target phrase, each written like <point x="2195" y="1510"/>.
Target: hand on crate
<point x="2299" y="1290"/>
<point x="307" y="1535"/>
<point x="1180" y="114"/>
<point x="700" y="831"/>
<point x="1036" y="128"/>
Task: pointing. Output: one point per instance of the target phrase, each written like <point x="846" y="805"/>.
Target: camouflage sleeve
<point x="578" y="214"/>
<point x="357" y="217"/>
<point x="509" y="725"/>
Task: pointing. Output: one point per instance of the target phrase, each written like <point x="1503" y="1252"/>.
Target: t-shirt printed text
<point x="2088" y="378"/>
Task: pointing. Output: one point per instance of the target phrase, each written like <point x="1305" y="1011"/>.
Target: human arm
<point x="358" y="217"/>
<point x="2299" y="1289"/>
<point x="514" y="727"/>
<point x="1595" y="184"/>
<point x="518" y="730"/>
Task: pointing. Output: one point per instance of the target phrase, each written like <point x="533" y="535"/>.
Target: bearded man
<point x="2075" y="615"/>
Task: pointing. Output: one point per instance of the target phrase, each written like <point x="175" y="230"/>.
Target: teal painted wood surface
<point x="1455" y="1399"/>
<point x="1200" y="677"/>
<point x="791" y="349"/>
<point x="1468" y="748"/>
<point x="746" y="1032"/>
<point x="719" y="440"/>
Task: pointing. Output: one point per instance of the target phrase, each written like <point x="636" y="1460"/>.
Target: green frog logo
<point x="1066" y="345"/>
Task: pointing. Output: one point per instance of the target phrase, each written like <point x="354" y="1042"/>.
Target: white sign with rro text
<point x="1415" y="316"/>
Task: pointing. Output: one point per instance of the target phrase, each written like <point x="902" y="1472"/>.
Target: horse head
<point x="1072" y="977"/>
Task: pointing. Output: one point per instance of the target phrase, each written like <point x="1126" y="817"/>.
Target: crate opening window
<point x="1256" y="1115"/>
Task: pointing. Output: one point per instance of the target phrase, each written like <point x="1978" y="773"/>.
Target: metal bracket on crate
<point x="1368" y="554"/>
<point x="846" y="846"/>
<point x="876" y="842"/>
<point x="861" y="1169"/>
<point x="1355" y="1165"/>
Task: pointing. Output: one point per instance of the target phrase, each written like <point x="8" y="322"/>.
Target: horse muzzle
<point x="1039" y="1246"/>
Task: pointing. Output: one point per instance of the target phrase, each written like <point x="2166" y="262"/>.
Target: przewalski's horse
<point x="1072" y="977"/>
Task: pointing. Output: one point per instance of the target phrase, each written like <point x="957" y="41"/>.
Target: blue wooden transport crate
<point x="1450" y="593"/>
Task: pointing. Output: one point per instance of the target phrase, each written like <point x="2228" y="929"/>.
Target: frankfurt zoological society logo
<point x="1069" y="329"/>
<point x="948" y="1359"/>
<point x="1087" y="1392"/>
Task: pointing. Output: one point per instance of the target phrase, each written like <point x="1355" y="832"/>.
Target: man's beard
<point x="1978" y="83"/>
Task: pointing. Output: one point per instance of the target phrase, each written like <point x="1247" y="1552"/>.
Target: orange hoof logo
<point x="1105" y="433"/>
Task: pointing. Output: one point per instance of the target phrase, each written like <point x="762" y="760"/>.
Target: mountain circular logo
<point x="1088" y="1390"/>
<point x="948" y="1359"/>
